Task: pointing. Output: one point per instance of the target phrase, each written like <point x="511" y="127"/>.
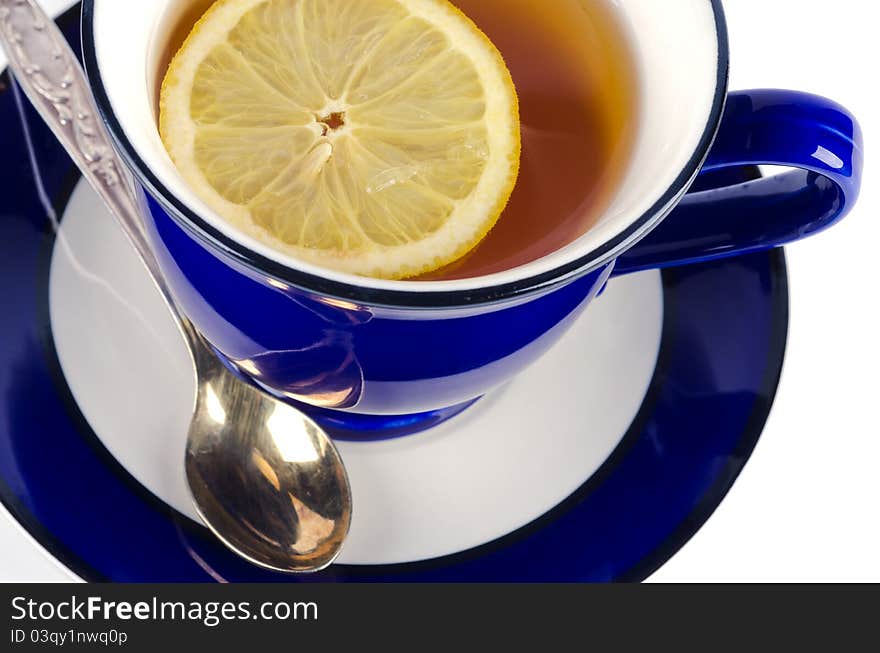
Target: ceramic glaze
<point x="372" y="359"/>
<point x="388" y="358"/>
<point x="680" y="391"/>
<point x="125" y="364"/>
<point x="694" y="419"/>
<point x="680" y="53"/>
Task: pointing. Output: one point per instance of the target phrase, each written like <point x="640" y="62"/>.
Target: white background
<point x="806" y="506"/>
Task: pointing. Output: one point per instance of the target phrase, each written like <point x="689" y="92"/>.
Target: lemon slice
<point x="376" y="137"/>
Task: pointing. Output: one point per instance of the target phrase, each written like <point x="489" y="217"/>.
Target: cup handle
<point x="817" y="137"/>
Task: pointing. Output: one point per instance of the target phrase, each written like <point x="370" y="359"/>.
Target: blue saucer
<point x="699" y="421"/>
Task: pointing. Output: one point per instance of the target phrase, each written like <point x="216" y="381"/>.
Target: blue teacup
<point x="380" y="358"/>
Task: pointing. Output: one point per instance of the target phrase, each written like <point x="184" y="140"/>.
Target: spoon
<point x="264" y="477"/>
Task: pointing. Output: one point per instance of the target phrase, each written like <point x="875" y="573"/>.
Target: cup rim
<point x="215" y="240"/>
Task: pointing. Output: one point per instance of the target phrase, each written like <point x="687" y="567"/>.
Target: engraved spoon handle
<point x="53" y="80"/>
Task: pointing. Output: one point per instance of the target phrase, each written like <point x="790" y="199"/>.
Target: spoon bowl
<point x="276" y="492"/>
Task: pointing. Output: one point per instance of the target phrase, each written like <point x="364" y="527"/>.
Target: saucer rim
<point x="659" y="554"/>
<point x="710" y="500"/>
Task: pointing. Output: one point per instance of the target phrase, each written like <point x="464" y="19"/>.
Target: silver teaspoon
<point x="264" y="477"/>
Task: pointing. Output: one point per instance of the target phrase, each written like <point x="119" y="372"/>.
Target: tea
<point x="576" y="79"/>
<point x="576" y="82"/>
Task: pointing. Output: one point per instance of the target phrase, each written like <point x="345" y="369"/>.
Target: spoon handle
<point x="53" y="80"/>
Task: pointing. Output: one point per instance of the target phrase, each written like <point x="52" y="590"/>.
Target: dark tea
<point x="575" y="76"/>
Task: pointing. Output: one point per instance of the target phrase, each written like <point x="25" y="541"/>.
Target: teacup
<point x="369" y="357"/>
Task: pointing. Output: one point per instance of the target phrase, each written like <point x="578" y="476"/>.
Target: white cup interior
<point x="676" y="48"/>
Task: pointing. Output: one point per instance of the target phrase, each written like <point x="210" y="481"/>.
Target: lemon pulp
<point x="376" y="137"/>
